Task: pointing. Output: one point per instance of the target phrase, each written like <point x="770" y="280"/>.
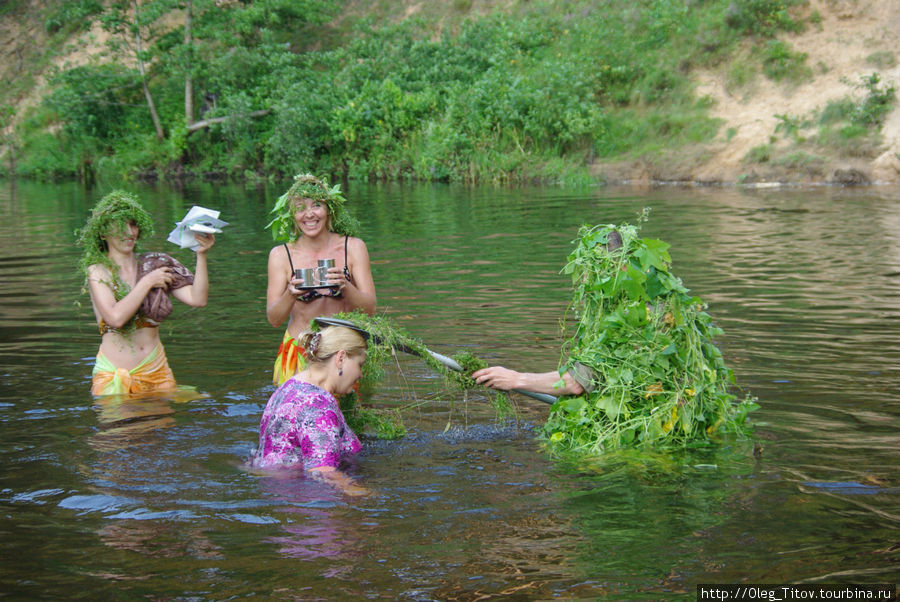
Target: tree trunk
<point x="188" y="80"/>
<point x="160" y="135"/>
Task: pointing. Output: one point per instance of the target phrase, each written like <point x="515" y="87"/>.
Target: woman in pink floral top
<point x="302" y="425"/>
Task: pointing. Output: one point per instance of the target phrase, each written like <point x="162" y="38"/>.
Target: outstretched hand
<point x="497" y="377"/>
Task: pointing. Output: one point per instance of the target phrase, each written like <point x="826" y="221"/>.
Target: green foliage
<point x="111" y="216"/>
<point x="781" y="63"/>
<point x="810" y="163"/>
<point x="7" y="113"/>
<point x="791" y="126"/>
<point x="636" y="132"/>
<point x="502" y="97"/>
<point x="759" y="154"/>
<point x="72" y="15"/>
<point x="385" y="340"/>
<point x="762" y="17"/>
<point x="307" y="186"/>
<point x="877" y="103"/>
<point x="851" y="125"/>
<point x="741" y="73"/>
<point x="660" y="379"/>
<point x="837" y="110"/>
<point x="96" y="101"/>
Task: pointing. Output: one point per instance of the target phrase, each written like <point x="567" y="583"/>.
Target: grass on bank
<point x="536" y="93"/>
<point x="847" y="126"/>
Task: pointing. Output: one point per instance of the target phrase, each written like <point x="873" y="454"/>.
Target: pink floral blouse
<point x="303" y="425"/>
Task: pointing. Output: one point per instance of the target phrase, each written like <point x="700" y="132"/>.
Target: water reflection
<point x="132" y="420"/>
<point x="159" y="539"/>
<point x="311" y="528"/>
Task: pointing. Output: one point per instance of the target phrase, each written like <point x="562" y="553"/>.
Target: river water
<point x="150" y="499"/>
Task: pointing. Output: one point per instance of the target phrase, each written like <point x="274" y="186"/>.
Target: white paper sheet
<point x="198" y="219"/>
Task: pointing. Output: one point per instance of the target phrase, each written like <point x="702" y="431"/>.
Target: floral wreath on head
<point x="110" y="216"/>
<point x="307" y="186"/>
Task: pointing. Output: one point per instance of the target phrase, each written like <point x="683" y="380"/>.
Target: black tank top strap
<point x="346" y="269"/>
<point x="290" y="261"/>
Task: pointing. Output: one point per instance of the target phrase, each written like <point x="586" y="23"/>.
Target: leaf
<point x="634" y="284"/>
<point x="655" y="286"/>
<point x="653" y="253"/>
<point x="573" y="404"/>
<point x="608" y="405"/>
<point x="670" y="282"/>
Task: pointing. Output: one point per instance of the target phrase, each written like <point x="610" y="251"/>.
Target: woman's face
<point x="311" y="216"/>
<point x="122" y="239"/>
<point x="352" y="371"/>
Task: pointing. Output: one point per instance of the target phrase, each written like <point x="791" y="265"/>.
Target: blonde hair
<point x="322" y="345"/>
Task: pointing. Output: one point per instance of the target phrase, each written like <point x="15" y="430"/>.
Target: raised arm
<point x="197" y="294"/>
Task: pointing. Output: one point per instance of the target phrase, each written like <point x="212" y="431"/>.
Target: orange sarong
<point x="290" y="360"/>
<point x="152" y="374"/>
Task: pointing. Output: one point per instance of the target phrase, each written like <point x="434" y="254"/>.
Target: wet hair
<point x="110" y="216"/>
<point x="308" y="186"/>
<point x="321" y="345"/>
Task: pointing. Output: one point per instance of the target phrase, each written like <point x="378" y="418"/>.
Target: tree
<point x="127" y="27"/>
<point x="188" y="76"/>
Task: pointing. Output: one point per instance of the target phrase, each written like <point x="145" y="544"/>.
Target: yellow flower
<point x="668" y="425"/>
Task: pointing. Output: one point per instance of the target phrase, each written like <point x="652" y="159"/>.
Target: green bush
<point x="72" y="15"/>
<point x="501" y="97"/>
<point x="781" y="63"/>
<point x="877" y="103"/>
<point x="762" y="17"/>
<point x="759" y="154"/>
<point x="837" y="110"/>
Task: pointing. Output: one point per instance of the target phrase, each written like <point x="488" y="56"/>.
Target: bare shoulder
<point x="98" y="272"/>
<point x="277" y="253"/>
<point x="356" y="245"/>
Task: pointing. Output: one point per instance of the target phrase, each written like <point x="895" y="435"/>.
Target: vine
<point x="385" y="340"/>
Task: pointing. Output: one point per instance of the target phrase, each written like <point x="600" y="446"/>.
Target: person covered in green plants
<point x="130" y="295"/>
<point x="313" y="224"/>
<point x="640" y="367"/>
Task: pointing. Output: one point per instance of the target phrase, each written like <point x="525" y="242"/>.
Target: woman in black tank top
<point x="312" y="224"/>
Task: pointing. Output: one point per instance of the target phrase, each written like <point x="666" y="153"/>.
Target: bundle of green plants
<point x="660" y="380"/>
<point x="386" y="339"/>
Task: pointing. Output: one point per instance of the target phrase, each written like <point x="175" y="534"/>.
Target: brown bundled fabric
<point x="157" y="305"/>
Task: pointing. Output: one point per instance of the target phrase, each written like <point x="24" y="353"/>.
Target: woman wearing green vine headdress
<point x="313" y="225"/>
<point x="130" y="295"/>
